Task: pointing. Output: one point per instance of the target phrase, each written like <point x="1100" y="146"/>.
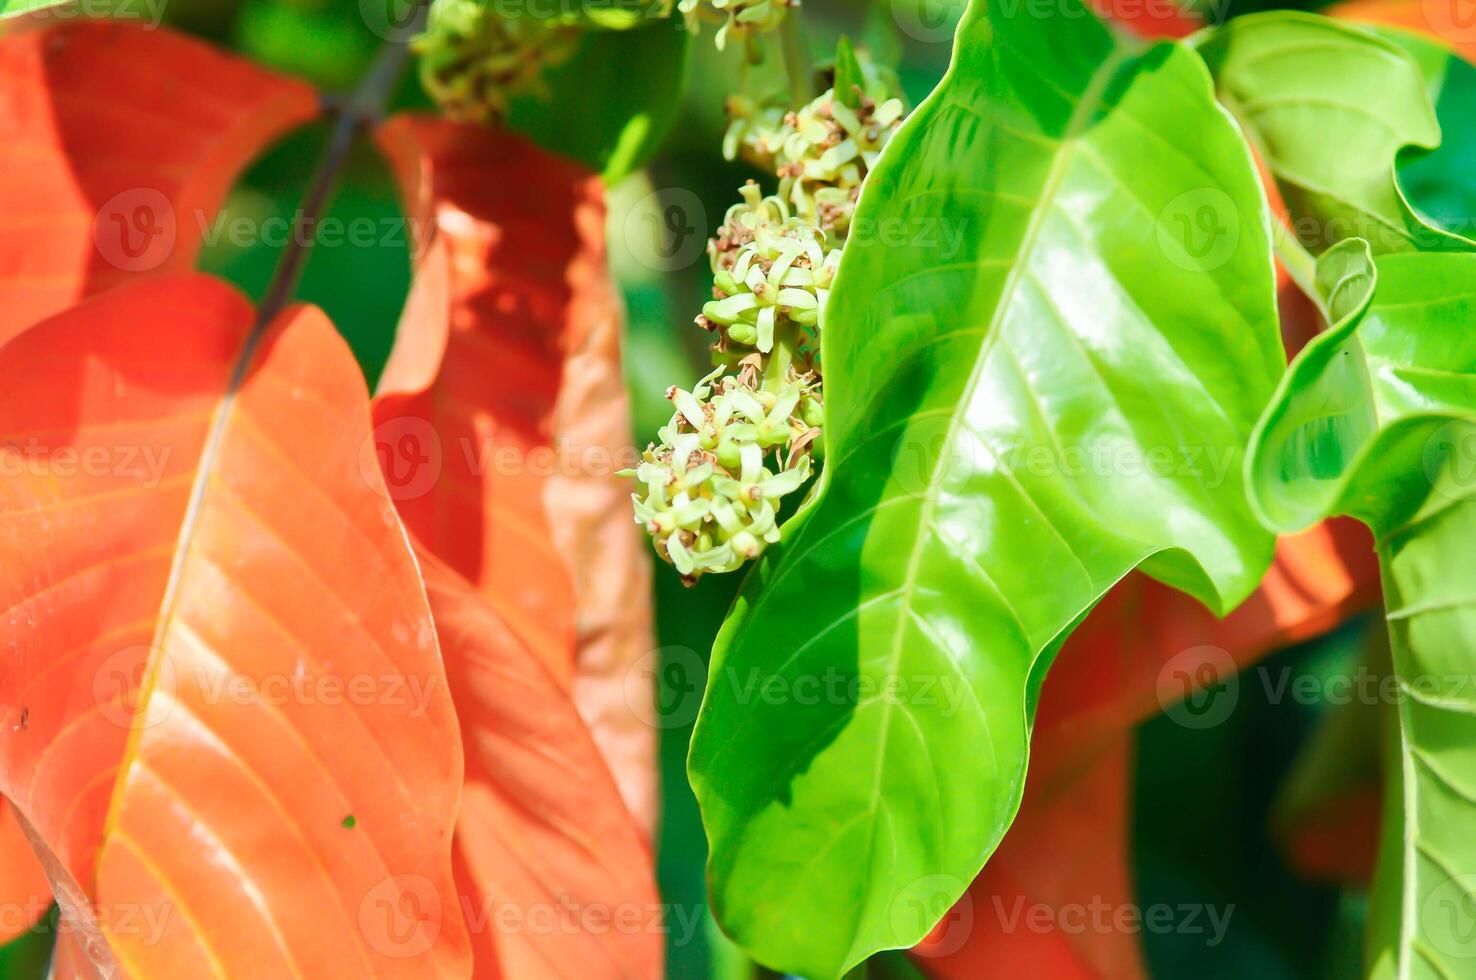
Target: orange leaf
<point x="1450" y="21"/>
<point x="464" y="411"/>
<point x="556" y="879"/>
<point x="216" y="631"/>
<point x="24" y="894"/>
<point x="513" y="305"/>
<point x="119" y="144"/>
<point x="1047" y="903"/>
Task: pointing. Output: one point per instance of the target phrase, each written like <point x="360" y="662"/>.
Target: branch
<point x="362" y="107"/>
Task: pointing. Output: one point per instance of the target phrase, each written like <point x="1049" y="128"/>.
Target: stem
<point x="797" y="62"/>
<point x="776" y="367"/>
<point x="361" y="108"/>
<point x="1299" y="263"/>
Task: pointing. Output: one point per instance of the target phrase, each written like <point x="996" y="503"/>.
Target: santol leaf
<point x="506" y="382"/>
<point x="119" y="145"/>
<point x="556" y="878"/>
<point x="219" y="641"/>
<point x="1071" y="290"/>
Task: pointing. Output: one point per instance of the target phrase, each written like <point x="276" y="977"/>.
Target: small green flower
<point x="741" y="19"/>
<point x="472" y="60"/>
<point x="732" y="451"/>
<point x="822" y="151"/>
<point x="768" y="271"/>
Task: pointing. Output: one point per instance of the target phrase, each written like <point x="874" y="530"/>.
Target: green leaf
<point x="1377" y="419"/>
<point x="1048" y="342"/>
<point x="1331" y="107"/>
<point x="849" y="82"/>
<point x="1439" y="184"/>
<point x="612" y="102"/>
<point x="15" y="8"/>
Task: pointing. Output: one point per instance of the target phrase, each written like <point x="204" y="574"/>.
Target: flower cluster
<point x="768" y="269"/>
<point x="749" y="433"/>
<point x="472" y="60"/>
<point x="731" y="452"/>
<point x="822" y="151"/>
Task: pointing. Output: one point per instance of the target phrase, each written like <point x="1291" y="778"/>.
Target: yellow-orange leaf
<point x="240" y="754"/>
<point x="118" y="144"/>
<point x="557" y="881"/>
<point x="24" y="893"/>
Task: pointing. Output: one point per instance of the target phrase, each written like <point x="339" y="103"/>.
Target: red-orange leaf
<point x="556" y="879"/>
<point x="464" y="410"/>
<point x="215" y="629"/>
<point x="118" y="144"/>
<point x="1132" y="656"/>
<point x="513" y="305"/>
<point x="1049" y="902"/>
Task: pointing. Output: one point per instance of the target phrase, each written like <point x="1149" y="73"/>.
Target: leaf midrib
<point x="1081" y="115"/>
<point x="204" y="470"/>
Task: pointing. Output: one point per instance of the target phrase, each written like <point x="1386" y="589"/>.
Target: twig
<point x="360" y="109"/>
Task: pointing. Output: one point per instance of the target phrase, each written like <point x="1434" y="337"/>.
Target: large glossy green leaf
<point x="1440" y="184"/>
<point x="1296" y="81"/>
<point x="1377" y="419"/>
<point x="1050" y="337"/>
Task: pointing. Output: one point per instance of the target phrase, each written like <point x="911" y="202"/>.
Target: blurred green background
<point x="1202" y="798"/>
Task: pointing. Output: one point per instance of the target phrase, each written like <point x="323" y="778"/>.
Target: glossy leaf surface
<point x="1377" y="419"/>
<point x="1054" y="302"/>
<point x="218" y="641"/>
<point x="106" y="181"/>
<point x="1291" y="79"/>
